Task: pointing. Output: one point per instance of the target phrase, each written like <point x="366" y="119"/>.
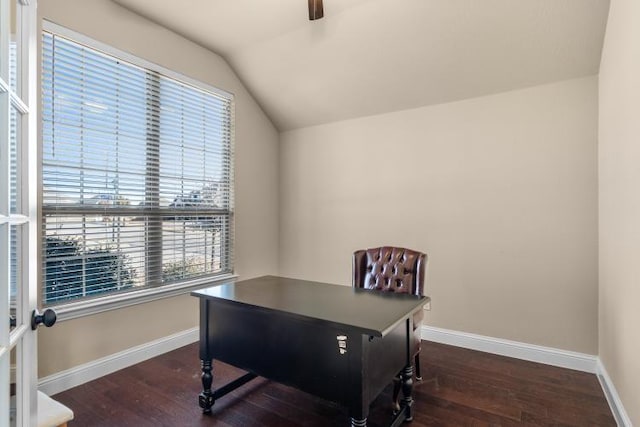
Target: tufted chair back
<point x="389" y="269"/>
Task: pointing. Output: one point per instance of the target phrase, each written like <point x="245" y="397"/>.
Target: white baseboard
<point x="534" y="353"/>
<point x="610" y="392"/>
<point x="81" y="374"/>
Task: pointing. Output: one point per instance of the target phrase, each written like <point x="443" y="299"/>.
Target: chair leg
<point x="417" y="362"/>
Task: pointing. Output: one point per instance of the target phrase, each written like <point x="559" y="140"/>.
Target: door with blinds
<point x="18" y="212"/>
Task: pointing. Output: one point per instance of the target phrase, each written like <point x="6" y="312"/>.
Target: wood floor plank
<point x="461" y="388"/>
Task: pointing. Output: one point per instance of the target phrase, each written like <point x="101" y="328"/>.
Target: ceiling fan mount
<point x="315" y="10"/>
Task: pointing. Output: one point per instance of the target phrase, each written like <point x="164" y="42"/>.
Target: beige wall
<point x="79" y="341"/>
<point x="500" y="191"/>
<point x="619" y="182"/>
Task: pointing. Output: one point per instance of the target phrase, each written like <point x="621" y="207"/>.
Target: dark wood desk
<point x="336" y="342"/>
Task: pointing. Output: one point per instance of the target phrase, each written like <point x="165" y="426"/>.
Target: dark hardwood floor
<point x="460" y="388"/>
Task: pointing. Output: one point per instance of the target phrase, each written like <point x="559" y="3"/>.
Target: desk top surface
<point x="373" y="313"/>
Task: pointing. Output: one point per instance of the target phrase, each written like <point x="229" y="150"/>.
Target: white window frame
<point x="75" y="309"/>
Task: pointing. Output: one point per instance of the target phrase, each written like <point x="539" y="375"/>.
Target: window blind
<point x="136" y="175"/>
<point x="13" y="173"/>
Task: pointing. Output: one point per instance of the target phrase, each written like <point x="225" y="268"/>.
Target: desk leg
<point x="205" y="399"/>
<point x="407" y="390"/>
<point x="359" y="423"/>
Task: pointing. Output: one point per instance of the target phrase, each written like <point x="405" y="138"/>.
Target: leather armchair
<point x="392" y="269"/>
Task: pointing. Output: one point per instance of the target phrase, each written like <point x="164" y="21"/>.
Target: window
<point x="136" y="174"/>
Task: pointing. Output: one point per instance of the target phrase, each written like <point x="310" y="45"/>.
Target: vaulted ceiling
<point x="375" y="56"/>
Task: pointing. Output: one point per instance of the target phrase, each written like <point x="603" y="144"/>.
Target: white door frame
<point x="22" y="16"/>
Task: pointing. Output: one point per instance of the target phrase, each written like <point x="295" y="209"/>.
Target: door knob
<point x="47" y="318"/>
